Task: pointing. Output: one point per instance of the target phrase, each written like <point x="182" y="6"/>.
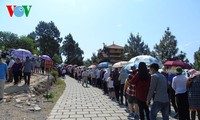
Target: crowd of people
<point x="13" y="70"/>
<point x="146" y="91"/>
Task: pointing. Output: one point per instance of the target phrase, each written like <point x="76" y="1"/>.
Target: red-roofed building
<point x="112" y="53"/>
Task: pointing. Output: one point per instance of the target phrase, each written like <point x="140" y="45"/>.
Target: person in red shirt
<point x="142" y="81"/>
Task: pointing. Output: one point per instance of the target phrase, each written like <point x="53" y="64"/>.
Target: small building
<point x="112" y="53"/>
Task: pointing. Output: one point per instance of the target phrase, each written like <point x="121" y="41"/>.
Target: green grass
<point x="55" y="94"/>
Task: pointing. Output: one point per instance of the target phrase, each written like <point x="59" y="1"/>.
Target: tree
<point x="167" y="48"/>
<point x="48" y="38"/>
<point x="72" y="51"/>
<point x="7" y="39"/>
<point x="197" y="60"/>
<point x="94" y="58"/>
<point x="57" y="59"/>
<point x="25" y="43"/>
<point x="87" y="62"/>
<point x="135" y="47"/>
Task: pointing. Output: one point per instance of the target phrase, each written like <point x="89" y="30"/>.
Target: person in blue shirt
<point x="3" y="72"/>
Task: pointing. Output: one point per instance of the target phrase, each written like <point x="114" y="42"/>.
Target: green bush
<point x="54" y="73"/>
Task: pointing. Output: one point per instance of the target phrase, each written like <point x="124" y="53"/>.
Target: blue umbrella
<point x="104" y="65"/>
<point x="128" y="66"/>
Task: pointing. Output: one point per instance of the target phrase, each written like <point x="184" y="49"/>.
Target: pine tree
<point x="135" y="47"/>
<point x="72" y="51"/>
<point x="167" y="48"/>
<point x="197" y="60"/>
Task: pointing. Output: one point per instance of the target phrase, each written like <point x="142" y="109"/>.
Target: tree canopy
<point x="197" y="59"/>
<point x="135" y="47"/>
<point x="72" y="51"/>
<point x="167" y="48"/>
<point x="48" y="38"/>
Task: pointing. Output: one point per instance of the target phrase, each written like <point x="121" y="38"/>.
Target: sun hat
<point x="193" y="73"/>
<point x="179" y="70"/>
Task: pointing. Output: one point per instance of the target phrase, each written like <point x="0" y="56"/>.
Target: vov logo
<point x="19" y="10"/>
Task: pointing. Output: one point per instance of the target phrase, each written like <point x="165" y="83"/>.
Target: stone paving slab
<point x="81" y="103"/>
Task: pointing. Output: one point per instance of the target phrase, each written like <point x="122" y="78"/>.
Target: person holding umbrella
<point x="27" y="68"/>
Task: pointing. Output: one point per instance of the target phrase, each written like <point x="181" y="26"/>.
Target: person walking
<point x="193" y="85"/>
<point x="85" y="77"/>
<point x="105" y="77"/>
<point x="142" y="81"/>
<point x="17" y="67"/>
<point x="179" y="85"/>
<point x="158" y="89"/>
<point x="172" y="94"/>
<point x="111" y="90"/>
<point x="27" y="68"/>
<point x="116" y="83"/>
<point x="11" y="62"/>
<point x="3" y="72"/>
<point x="122" y="77"/>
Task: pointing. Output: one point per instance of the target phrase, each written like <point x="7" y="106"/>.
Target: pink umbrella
<point x="177" y="63"/>
<point x="68" y="66"/>
<point x="92" y="66"/>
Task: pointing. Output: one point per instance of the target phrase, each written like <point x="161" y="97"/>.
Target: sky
<point x="94" y="22"/>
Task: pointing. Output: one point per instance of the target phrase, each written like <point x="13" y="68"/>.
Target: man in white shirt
<point x="179" y="85"/>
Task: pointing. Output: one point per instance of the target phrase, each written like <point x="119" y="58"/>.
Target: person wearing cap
<point x="193" y="85"/>
<point x="179" y="85"/>
<point x="3" y="72"/>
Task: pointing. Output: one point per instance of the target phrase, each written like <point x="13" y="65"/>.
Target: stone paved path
<point x="80" y="103"/>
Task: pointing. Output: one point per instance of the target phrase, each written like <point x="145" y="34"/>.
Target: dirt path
<point x="20" y="104"/>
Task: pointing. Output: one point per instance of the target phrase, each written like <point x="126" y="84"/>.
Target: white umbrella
<point x="120" y="64"/>
<point x="146" y="59"/>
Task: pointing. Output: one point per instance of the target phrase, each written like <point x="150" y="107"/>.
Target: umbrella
<point x="146" y="59"/>
<point x="104" y="65"/>
<point x="128" y="66"/>
<point x="21" y="54"/>
<point x="92" y="66"/>
<point x="68" y="66"/>
<point x="35" y="56"/>
<point x="120" y="64"/>
<point x="177" y="63"/>
<point x="75" y="65"/>
<point x="45" y="57"/>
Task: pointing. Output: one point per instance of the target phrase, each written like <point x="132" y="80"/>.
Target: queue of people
<point x="147" y="91"/>
<point x="12" y="70"/>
